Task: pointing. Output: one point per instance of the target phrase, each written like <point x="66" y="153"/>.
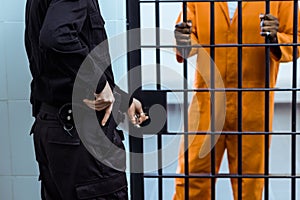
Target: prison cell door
<point x="158" y="95"/>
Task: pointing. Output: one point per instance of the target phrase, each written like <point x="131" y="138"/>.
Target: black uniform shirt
<point x="59" y="35"/>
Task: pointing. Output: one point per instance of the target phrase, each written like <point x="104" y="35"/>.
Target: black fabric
<point x="100" y="187"/>
<point x="67" y="170"/>
<point x="59" y="34"/>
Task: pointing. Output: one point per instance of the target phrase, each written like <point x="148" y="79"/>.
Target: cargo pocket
<point x="101" y="187"/>
<point x="55" y="132"/>
<point x="60" y="136"/>
<point x="62" y="149"/>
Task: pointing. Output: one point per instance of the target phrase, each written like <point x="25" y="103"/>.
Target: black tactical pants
<point x="67" y="170"/>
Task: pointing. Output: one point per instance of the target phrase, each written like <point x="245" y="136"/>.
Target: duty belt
<point x="65" y="114"/>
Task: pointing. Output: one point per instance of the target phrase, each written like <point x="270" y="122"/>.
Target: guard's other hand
<point x="136" y="113"/>
<point x="103" y="101"/>
<point x="182" y="34"/>
<point x="269" y="26"/>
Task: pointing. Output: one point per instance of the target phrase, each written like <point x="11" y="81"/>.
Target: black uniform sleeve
<point x="60" y="35"/>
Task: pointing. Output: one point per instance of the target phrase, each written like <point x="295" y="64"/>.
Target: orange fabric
<point x="253" y="103"/>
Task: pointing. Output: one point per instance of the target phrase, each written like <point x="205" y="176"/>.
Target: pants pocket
<point x="62" y="149"/>
<point x="60" y="136"/>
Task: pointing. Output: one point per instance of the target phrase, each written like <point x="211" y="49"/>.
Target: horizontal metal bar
<point x="228" y="90"/>
<point x="227" y="133"/>
<point x="180" y="1"/>
<point x="218" y="45"/>
<point x="221" y="175"/>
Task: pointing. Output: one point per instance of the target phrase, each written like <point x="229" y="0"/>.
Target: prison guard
<point x="59" y="35"/>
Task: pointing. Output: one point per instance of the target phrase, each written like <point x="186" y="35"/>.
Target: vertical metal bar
<point x="267" y="108"/>
<point x="158" y="87"/>
<point x="134" y="81"/>
<point x="212" y="98"/>
<point x="240" y="114"/>
<point x="294" y="101"/>
<point x="185" y="105"/>
<point x="157" y="25"/>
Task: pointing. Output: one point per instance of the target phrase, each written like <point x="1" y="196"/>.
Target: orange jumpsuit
<point x="253" y="104"/>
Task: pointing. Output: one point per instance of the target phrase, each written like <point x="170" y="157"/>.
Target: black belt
<point x="64" y="115"/>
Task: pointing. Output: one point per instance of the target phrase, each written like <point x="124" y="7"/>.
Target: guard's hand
<point x="136" y="113"/>
<point x="103" y="101"/>
<point x="182" y="34"/>
<point x="269" y="26"/>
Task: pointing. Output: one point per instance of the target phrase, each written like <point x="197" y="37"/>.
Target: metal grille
<point x="136" y="144"/>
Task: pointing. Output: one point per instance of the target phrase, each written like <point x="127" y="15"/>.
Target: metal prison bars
<point x="136" y="144"/>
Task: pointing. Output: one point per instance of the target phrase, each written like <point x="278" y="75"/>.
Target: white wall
<point x="18" y="172"/>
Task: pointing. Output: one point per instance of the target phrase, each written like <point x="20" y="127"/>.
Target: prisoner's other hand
<point x="269" y="26"/>
<point x="136" y="113"/>
<point x="182" y="34"/>
<point x="103" y="101"/>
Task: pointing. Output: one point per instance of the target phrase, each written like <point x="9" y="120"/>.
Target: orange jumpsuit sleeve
<point x="285" y="31"/>
<point x="190" y="16"/>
